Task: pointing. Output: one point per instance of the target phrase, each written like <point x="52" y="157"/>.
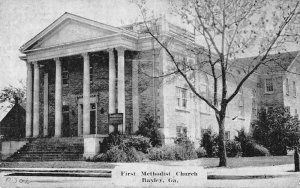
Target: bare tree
<point x="228" y="29"/>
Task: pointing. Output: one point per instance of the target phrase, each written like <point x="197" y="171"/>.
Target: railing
<point x="175" y="30"/>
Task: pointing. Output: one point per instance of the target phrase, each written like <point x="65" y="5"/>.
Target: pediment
<point x="69" y="32"/>
<point x="68" y="29"/>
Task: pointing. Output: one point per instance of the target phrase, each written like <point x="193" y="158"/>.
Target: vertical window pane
<point x="269" y="85"/>
<point x="294" y="89"/>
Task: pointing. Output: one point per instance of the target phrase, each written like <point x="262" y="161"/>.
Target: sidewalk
<point x="252" y="172"/>
<point x="212" y="173"/>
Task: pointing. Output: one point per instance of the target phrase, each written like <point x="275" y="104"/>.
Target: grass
<point x="56" y="164"/>
<point x="235" y="162"/>
<point x="206" y="162"/>
<point x="250" y="161"/>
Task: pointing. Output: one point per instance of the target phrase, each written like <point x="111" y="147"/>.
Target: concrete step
<point x="51" y="149"/>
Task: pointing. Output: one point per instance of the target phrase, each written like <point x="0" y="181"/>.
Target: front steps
<point x="51" y="149"/>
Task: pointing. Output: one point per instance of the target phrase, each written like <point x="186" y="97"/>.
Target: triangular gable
<point x="5" y="108"/>
<point x="295" y="65"/>
<point x="67" y="29"/>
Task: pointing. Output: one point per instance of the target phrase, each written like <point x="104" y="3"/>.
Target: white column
<point x="112" y="82"/>
<point x="135" y="96"/>
<point x="86" y="94"/>
<point x="46" y="107"/>
<point x="121" y="85"/>
<point x="29" y="100"/>
<point x="58" y="98"/>
<point x="80" y="128"/>
<point x="36" y="100"/>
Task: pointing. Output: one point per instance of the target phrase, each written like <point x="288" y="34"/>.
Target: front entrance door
<point x="93" y="119"/>
<point x="66" y="130"/>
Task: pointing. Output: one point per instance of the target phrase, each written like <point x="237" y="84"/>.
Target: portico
<point x="50" y="52"/>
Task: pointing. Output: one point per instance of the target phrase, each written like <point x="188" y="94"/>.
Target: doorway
<point x="93" y="118"/>
<point x="66" y="130"/>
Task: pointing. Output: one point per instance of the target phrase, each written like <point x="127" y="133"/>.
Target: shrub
<point x="162" y="153"/>
<point x="120" y="153"/>
<point x="248" y="146"/>
<point x="259" y="150"/>
<point x="244" y="139"/>
<point x="233" y="148"/>
<point x="201" y="152"/>
<point x="113" y="139"/>
<point x="140" y="143"/>
<point x="149" y="128"/>
<point x="183" y="150"/>
<point x="276" y="130"/>
<point x="210" y="143"/>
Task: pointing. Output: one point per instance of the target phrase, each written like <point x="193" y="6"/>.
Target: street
<point x="46" y="181"/>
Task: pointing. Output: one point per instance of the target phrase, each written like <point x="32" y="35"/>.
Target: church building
<point x="86" y="78"/>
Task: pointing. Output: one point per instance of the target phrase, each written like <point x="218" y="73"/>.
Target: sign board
<point x="151" y="175"/>
<point x="115" y="119"/>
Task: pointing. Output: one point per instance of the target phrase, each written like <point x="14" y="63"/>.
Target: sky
<point x="21" y="20"/>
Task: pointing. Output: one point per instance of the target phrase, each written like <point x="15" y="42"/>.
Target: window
<point x="181" y="62"/>
<point x="270" y="109"/>
<point x="287" y="87"/>
<point x="204" y="93"/>
<point x="269" y="85"/>
<point x="254" y="107"/>
<point x="92" y="106"/>
<point x="294" y="89"/>
<point x="241" y="103"/>
<point x="181" y="131"/>
<point x="227" y="135"/>
<point x="287" y="109"/>
<point x="296" y="114"/>
<point x="91" y="73"/>
<point x="181" y="97"/>
<point x="65" y="74"/>
<point x="65" y="109"/>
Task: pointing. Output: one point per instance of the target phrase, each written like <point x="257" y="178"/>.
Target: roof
<point x="5" y="107"/>
<point x="59" y="21"/>
<point x="274" y="62"/>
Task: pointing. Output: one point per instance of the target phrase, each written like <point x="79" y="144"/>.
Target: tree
<point x="277" y="130"/>
<point x="14" y="94"/>
<point x="228" y="29"/>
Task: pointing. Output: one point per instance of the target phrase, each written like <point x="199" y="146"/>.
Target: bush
<point x="259" y="150"/>
<point x="162" y="153"/>
<point x="201" y="152"/>
<point x="248" y="146"/>
<point x="113" y="139"/>
<point x="244" y="141"/>
<point x="149" y="128"/>
<point x="276" y="130"/>
<point x="210" y="143"/>
<point x="183" y="150"/>
<point x="233" y="148"/>
<point x="140" y="143"/>
<point x="120" y="153"/>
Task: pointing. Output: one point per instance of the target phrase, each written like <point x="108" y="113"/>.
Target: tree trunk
<point x="222" y="147"/>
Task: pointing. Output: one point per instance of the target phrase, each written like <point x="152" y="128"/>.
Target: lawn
<point x="235" y="162"/>
<point x="206" y="162"/>
<point x="56" y="164"/>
